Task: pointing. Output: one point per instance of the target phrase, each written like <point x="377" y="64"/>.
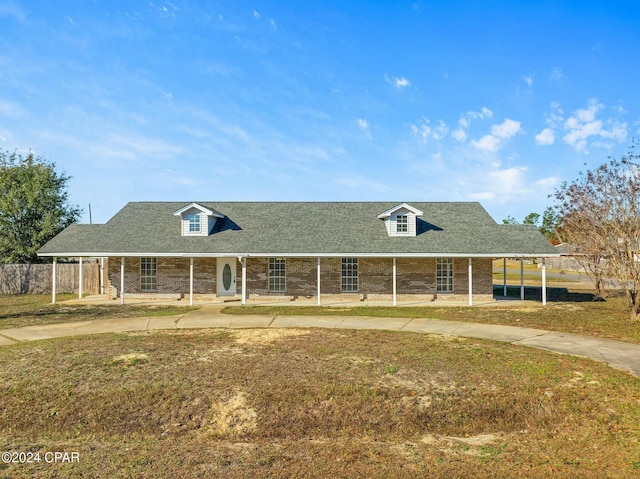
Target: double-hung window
<point x="148" y="274"/>
<point x="194" y="222"/>
<point x="444" y="275"/>
<point x="349" y="275"/>
<point x="402" y="224"/>
<point x="277" y="275"/>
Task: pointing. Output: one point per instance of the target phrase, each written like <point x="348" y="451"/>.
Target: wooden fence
<point x="37" y="278"/>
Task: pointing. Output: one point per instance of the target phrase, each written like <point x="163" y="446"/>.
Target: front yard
<point x="312" y="403"/>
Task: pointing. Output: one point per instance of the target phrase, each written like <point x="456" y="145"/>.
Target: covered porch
<point x="383" y="281"/>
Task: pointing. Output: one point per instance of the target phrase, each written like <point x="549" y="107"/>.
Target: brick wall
<point x="416" y="278"/>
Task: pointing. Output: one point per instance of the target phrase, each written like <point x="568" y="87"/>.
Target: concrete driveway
<point x="617" y="354"/>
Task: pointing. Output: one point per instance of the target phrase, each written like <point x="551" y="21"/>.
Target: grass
<point x="313" y="403"/>
<point x="36" y="309"/>
<point x="576" y="313"/>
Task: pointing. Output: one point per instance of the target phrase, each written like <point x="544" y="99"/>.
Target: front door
<point x="226" y="278"/>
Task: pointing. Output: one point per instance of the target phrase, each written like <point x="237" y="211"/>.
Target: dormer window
<point x="401" y="220"/>
<point x="401" y="224"/>
<point x="196" y="220"/>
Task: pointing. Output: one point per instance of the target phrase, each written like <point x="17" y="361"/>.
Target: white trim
<point x="389" y="212"/>
<point x="307" y="255"/>
<point x="207" y="211"/>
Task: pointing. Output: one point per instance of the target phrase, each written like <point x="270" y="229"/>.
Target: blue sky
<point x="232" y="100"/>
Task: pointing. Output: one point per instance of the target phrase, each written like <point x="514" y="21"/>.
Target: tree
<point x="600" y="216"/>
<point x="547" y="227"/>
<point x="33" y="206"/>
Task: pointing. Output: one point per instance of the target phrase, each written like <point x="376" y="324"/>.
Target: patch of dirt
<point x="233" y="417"/>
<point x="265" y="336"/>
<point x="131" y="359"/>
<point x="469" y="445"/>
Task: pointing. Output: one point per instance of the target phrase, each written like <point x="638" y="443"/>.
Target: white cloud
<point x="546" y="137"/>
<point x="482" y="114"/>
<point x="398" y="82"/>
<point x="584" y="126"/>
<point x="464" y="122"/>
<point x="528" y="79"/>
<point x="362" y="123"/>
<point x="506" y="129"/>
<point x="488" y="143"/>
<point x="256" y="14"/>
<point x="493" y="142"/>
<point x="459" y="134"/>
<point x="502" y="185"/>
<point x="547" y="182"/>
<point x="425" y="131"/>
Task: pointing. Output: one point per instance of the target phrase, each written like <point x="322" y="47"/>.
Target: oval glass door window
<point x="226" y="277"/>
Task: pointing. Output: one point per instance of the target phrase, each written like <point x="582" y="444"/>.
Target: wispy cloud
<point x="10" y="9"/>
<point x="584" y="126"/>
<point x="528" y="79"/>
<point x="362" y="123"/>
<point x="425" y="131"/>
<point x="464" y="122"/>
<point x="398" y="82"/>
<point x="556" y="74"/>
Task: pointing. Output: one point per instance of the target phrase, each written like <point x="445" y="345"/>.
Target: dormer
<point x="197" y="220"/>
<point x="401" y="220"/>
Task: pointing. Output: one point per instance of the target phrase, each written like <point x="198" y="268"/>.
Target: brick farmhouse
<point x="325" y="251"/>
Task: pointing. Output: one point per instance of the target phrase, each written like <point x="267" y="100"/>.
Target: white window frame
<point x="444" y="275"/>
<point x="402" y="224"/>
<point x="148" y="275"/>
<point x="277" y="275"/>
<point x="349" y="277"/>
<point x="195" y="223"/>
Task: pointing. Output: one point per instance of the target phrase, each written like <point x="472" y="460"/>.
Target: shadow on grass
<point x="534" y="293"/>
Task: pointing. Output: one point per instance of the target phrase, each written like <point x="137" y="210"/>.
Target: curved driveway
<point x="617" y="354"/>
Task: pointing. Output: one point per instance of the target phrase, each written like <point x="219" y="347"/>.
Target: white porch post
<point x="504" y="275"/>
<point x="122" y="280"/>
<point x="53" y="285"/>
<point x="244" y="281"/>
<point x="544" y="282"/>
<point x="80" y="279"/>
<point x="191" y="281"/>
<point x="470" y="282"/>
<point x="522" y="279"/>
<point x="394" y="281"/>
<point x="102" y="275"/>
<point x="318" y="281"/>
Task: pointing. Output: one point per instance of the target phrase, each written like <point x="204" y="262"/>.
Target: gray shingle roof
<point x="311" y="229"/>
